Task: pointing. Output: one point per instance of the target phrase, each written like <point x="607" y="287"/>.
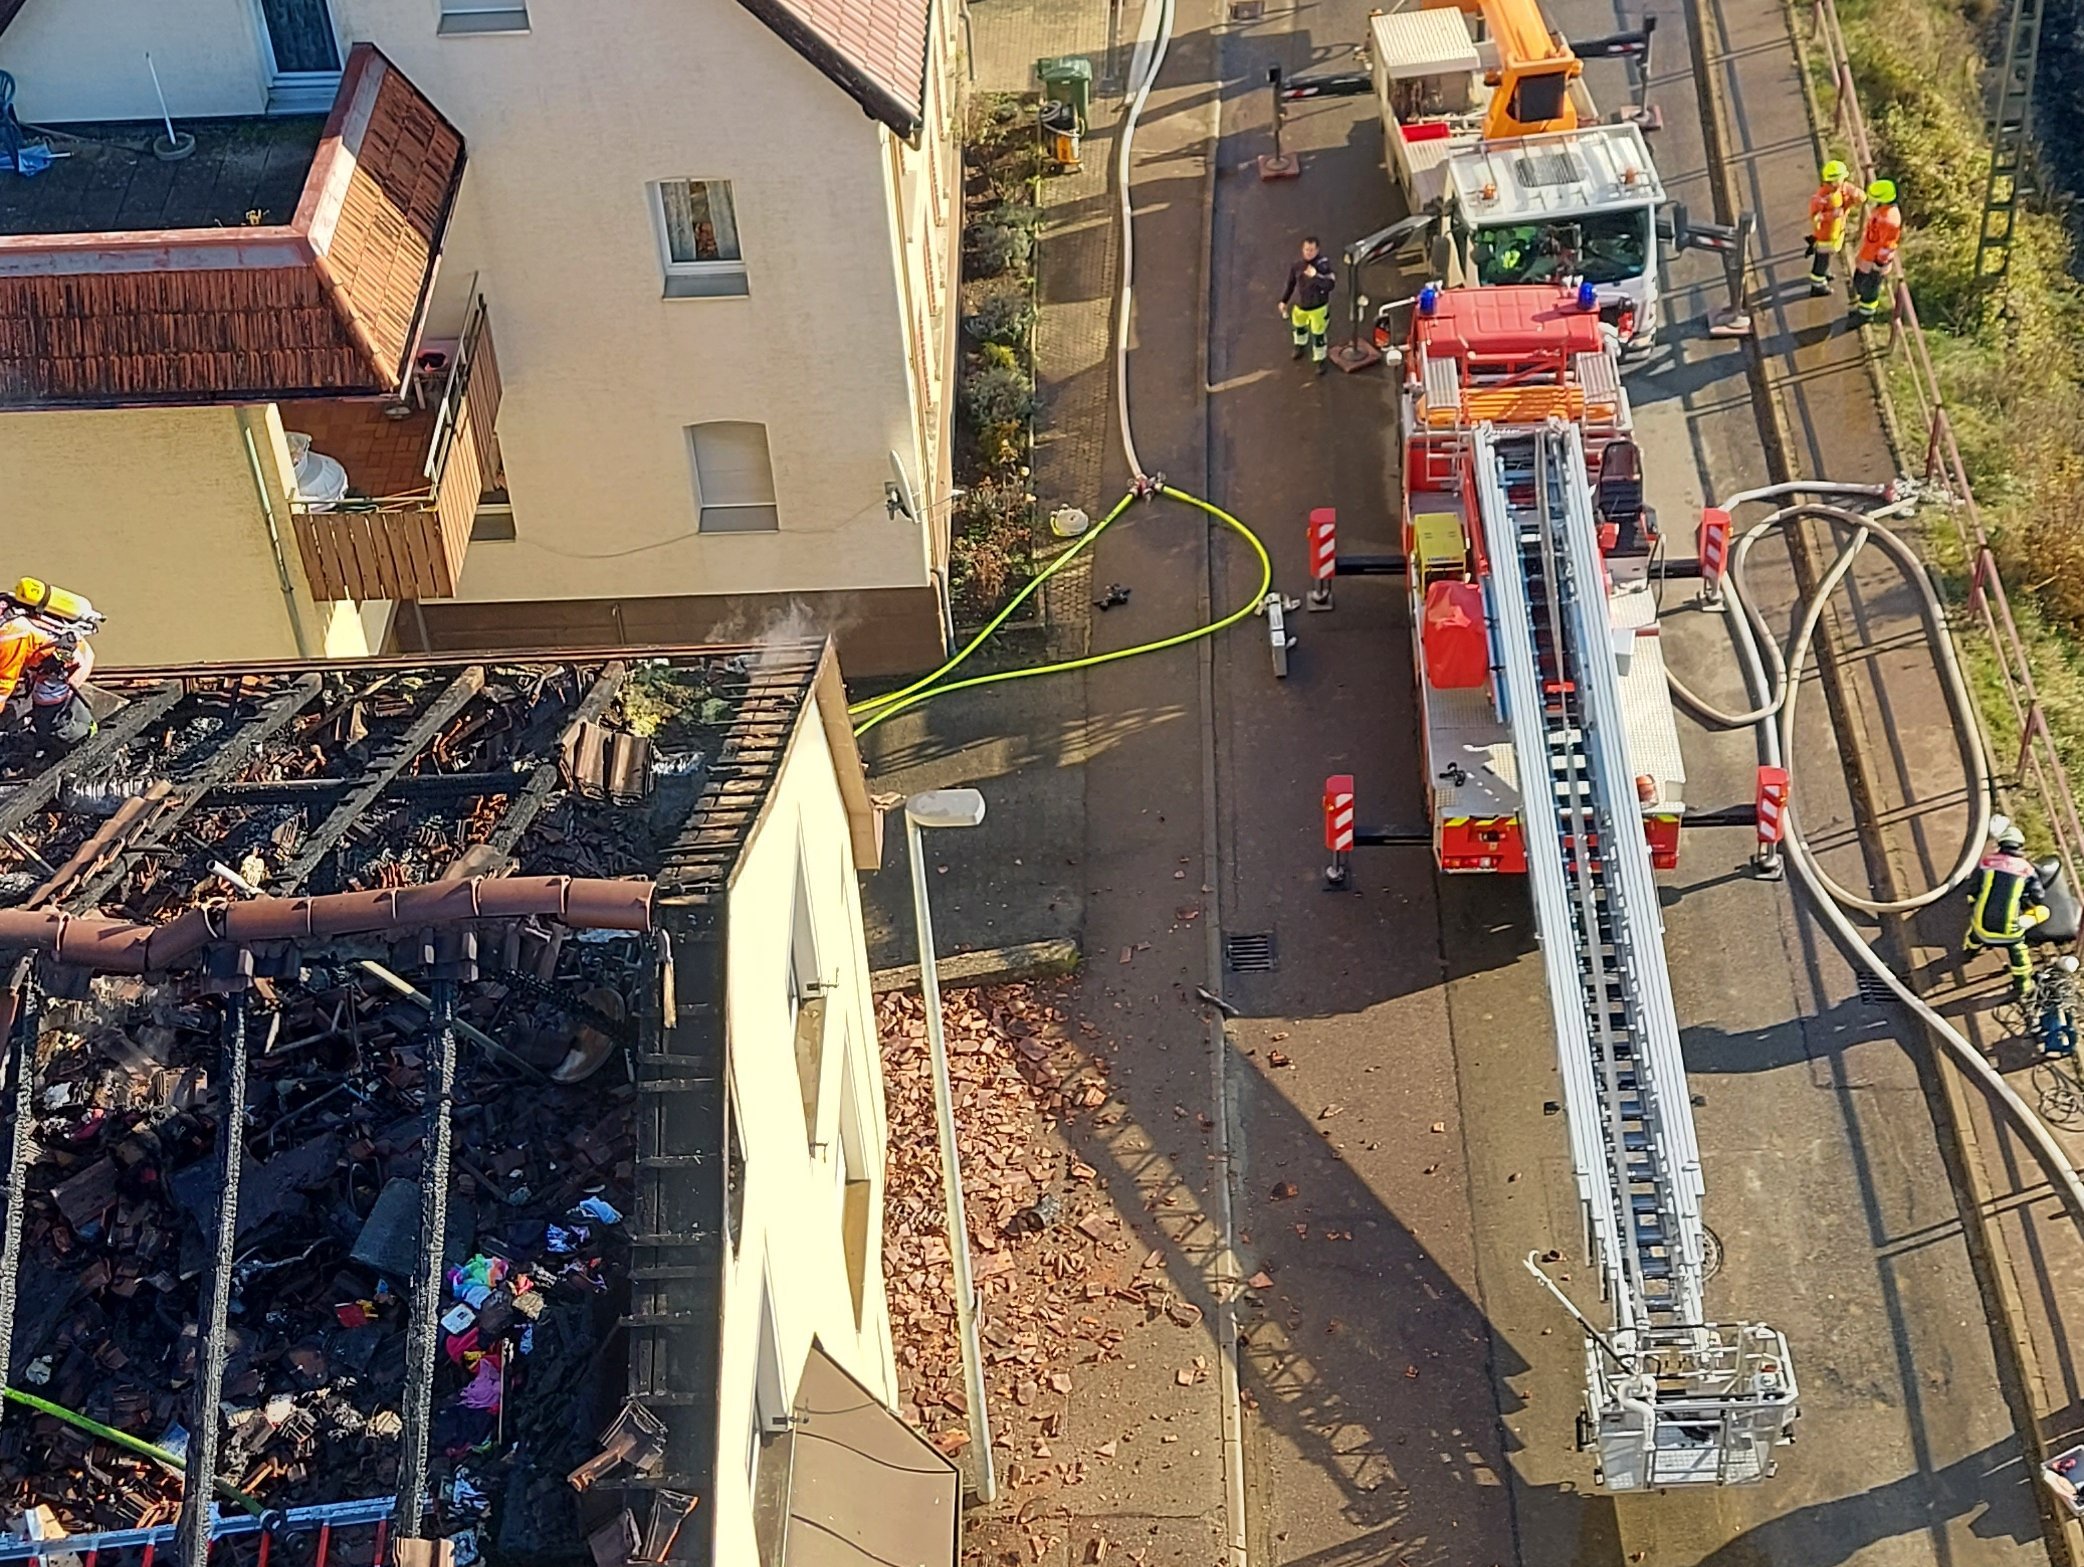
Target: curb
<point x="1996" y="1276"/>
<point x="989" y="966"/>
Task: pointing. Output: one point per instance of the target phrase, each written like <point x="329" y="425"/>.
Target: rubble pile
<point x="123" y="1197"/>
<point x="1057" y="1286"/>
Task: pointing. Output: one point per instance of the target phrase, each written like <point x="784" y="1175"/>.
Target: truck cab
<point x="1562" y="197"/>
<point x="1581" y="205"/>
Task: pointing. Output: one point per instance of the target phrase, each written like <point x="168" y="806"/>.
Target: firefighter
<point x="1829" y="211"/>
<point x="1878" y="242"/>
<point x="2006" y="901"/>
<point x="45" y="659"/>
<point x="1306" y="301"/>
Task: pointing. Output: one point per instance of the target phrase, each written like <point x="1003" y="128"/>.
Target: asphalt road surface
<point x="1413" y="1392"/>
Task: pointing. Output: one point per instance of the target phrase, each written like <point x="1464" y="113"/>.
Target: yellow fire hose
<point x="873" y="710"/>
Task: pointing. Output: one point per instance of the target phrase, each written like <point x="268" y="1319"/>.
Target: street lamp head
<point x="946" y="808"/>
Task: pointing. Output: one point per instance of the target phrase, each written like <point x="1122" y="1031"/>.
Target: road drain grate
<point x="1873" y="991"/>
<point x="1249" y="953"/>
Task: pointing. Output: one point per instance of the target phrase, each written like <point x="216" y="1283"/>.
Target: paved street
<point x="1409" y="1393"/>
<point x="1417" y="1003"/>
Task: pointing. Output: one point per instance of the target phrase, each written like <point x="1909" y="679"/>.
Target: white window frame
<point x="697" y="279"/>
<point x="480" y="18"/>
<point x="703" y="506"/>
<point x="299" y="92"/>
<point x="770" y="1391"/>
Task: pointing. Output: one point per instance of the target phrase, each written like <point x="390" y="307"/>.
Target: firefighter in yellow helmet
<point x="1878" y="242"/>
<point x="1830" y="210"/>
<point x="2006" y="900"/>
<point x="45" y="660"/>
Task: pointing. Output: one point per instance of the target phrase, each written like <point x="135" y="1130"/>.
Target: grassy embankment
<point x="2012" y="374"/>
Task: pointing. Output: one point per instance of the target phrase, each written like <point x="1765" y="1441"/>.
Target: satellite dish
<point x="898" y="494"/>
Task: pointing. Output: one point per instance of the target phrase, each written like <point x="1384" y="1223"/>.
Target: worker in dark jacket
<point x="2007" y="900"/>
<point x="1306" y="301"/>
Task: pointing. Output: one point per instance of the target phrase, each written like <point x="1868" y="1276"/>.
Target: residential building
<point x="558" y="962"/>
<point x="480" y="324"/>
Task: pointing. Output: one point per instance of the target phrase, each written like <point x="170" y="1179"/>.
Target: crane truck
<point x="1551" y="751"/>
<point x="1490" y="131"/>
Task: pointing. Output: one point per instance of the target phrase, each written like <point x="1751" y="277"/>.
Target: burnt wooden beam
<point x="423" y="1332"/>
<point x="26" y="799"/>
<point x="206" y="1419"/>
<point x="369" y="788"/>
<point x="230" y="753"/>
<point x="19" y="1007"/>
<point x="522" y="813"/>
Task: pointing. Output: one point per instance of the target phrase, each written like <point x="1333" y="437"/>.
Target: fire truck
<point x="1487" y="122"/>
<point x="1506" y="169"/>
<point x="1551" y="751"/>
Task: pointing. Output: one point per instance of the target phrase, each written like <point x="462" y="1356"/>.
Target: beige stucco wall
<point x="602" y="374"/>
<point x="87" y="62"/>
<point x="155" y="515"/>
<point x="790" y="1240"/>
<point x="842" y="349"/>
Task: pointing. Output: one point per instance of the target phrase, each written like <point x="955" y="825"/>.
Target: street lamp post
<point x="933" y="809"/>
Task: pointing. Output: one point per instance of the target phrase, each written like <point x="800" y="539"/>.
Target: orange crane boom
<point x="1531" y="85"/>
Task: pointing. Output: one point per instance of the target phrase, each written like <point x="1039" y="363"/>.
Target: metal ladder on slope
<point x="1670" y="1399"/>
<point x="2011" y="146"/>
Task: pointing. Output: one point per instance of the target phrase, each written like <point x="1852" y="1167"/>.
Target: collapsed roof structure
<point x="440" y="941"/>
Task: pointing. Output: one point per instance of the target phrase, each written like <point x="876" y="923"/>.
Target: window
<point x="734" y="477"/>
<point x="462" y="17"/>
<point x="698" y="238"/>
<point x="807" y="1001"/>
<point x="855" y="1210"/>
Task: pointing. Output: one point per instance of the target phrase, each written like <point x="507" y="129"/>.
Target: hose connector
<point x="1146" y="486"/>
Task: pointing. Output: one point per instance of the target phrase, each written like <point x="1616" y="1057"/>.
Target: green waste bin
<point x="1068" y="79"/>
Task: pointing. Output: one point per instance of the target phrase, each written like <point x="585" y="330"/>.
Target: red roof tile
<point x="329" y="303"/>
<point x="875" y="49"/>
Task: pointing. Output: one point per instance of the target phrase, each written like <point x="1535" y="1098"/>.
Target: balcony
<point x="415" y="479"/>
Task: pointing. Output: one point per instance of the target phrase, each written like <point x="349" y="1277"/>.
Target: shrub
<point x="994" y="542"/>
<point x="1003" y="317"/>
<point x="997" y="395"/>
<point x="997" y="356"/>
<point x="998" y="247"/>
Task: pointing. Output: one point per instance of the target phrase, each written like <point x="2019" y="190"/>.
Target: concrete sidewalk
<point x="1819" y="374"/>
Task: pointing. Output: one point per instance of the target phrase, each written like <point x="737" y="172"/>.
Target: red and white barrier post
<point x="1714" y="553"/>
<point x="1338" y="826"/>
<point x="1324" y="555"/>
<point x="1772" y="819"/>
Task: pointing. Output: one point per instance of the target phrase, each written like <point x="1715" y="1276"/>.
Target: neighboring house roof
<point x="875" y="49"/>
<point x="328" y="303"/>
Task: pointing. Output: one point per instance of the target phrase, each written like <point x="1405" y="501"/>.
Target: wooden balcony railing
<point x="412" y="547"/>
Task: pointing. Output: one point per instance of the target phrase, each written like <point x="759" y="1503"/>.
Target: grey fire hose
<point x="1775" y="678"/>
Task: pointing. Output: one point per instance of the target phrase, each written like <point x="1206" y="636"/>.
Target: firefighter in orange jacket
<point x="1878" y="242"/>
<point x="45" y="660"/>
<point x="1830" y="209"/>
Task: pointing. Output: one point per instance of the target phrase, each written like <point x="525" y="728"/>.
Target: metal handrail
<point x="2039" y="763"/>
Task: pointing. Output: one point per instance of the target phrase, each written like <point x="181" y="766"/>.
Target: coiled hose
<point x="872" y="711"/>
<point x="1775" y="679"/>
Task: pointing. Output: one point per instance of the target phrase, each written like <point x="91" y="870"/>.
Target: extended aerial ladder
<point x="1670" y="1398"/>
<point x="1544" y="694"/>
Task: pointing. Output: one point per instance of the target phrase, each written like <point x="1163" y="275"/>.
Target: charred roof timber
<point x="364" y="1036"/>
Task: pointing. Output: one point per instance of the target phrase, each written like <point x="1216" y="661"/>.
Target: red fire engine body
<point x="1519" y="360"/>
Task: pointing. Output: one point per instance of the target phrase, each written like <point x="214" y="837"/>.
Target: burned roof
<point x="466" y="1245"/>
<point x="170" y="300"/>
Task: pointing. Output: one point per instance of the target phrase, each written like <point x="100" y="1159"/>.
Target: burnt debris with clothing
<point x="466" y="1141"/>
